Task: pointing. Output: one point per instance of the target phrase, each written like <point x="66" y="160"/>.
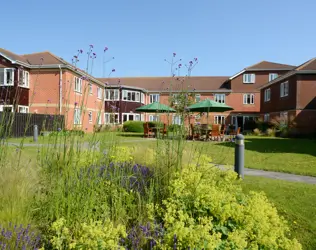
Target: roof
<point x="44" y="60"/>
<point x="164" y="84"/>
<point x="308" y="67"/>
<point x="265" y="65"/>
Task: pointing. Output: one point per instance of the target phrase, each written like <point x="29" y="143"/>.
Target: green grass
<point x="295" y="201"/>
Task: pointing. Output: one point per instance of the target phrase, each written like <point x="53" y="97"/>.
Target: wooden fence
<point x="20" y="124"/>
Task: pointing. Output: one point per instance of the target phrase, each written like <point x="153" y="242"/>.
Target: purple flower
<point x="180" y="65"/>
<point x="80" y="51"/>
<point x="113" y="70"/>
<point x="76" y="57"/>
<point x="76" y="103"/>
<point x="174" y="54"/>
<point x="195" y="59"/>
<point x="91" y="46"/>
<point x="86" y="128"/>
<point x="59" y="129"/>
<point x="190" y="62"/>
<point x="48" y="100"/>
<point x="105" y="49"/>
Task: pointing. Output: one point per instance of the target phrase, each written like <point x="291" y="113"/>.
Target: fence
<point x="20" y="124"/>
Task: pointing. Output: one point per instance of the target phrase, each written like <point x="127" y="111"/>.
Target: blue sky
<point x="225" y="35"/>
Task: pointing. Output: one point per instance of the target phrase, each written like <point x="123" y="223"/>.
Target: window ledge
<point x="24" y="87"/>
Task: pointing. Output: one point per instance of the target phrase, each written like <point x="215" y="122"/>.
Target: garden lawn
<point x="295" y="201"/>
<point x="296" y="156"/>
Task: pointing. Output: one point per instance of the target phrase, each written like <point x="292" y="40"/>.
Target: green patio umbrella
<point x="207" y="106"/>
<point x="155" y="107"/>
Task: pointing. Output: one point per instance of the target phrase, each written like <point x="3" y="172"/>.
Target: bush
<point x="257" y="131"/>
<point x="67" y="133"/>
<point x="207" y="209"/>
<point x="133" y="126"/>
<point x="250" y="125"/>
<point x="270" y="132"/>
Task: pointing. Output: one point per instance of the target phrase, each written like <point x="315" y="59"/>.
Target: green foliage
<point x="92" y="235"/>
<point x="133" y="126"/>
<point x="73" y="132"/>
<point x="207" y="209"/>
<point x="256" y="131"/>
<point x="174" y="128"/>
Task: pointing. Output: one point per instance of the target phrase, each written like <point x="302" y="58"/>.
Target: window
<point x="6" y="77"/>
<point x="112" y="94"/>
<point x="90" y="89"/>
<point x="284" y="89"/>
<point x="99" y="93"/>
<point x="249" y="78"/>
<point x="154" y="98"/>
<point x="197" y="98"/>
<point x="78" y="84"/>
<point x="267" y="95"/>
<point x="90" y="116"/>
<point x="99" y="118"/>
<point x="142" y="98"/>
<point x="111" y="118"/>
<point x="219" y="119"/>
<point x="142" y="118"/>
<point x="130" y="117"/>
<point x="176" y="98"/>
<point x="24" y="78"/>
<point x="219" y="98"/>
<point x="272" y="76"/>
<point x="249" y="99"/>
<point x="266" y="117"/>
<point x="153" y="118"/>
<point x="284" y="117"/>
<point x="129" y="95"/>
<point x="176" y="119"/>
<point x="77" y="116"/>
<point x="23" y="109"/>
<point x="6" y="108"/>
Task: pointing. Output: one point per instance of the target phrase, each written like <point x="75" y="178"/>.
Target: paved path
<point x="274" y="175"/>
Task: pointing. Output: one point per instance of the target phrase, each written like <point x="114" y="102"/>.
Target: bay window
<point x="112" y="95"/>
<point x="129" y="95"/>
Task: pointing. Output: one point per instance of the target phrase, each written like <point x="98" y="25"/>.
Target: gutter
<point x="60" y="89"/>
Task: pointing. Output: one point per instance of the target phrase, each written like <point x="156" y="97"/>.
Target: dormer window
<point x="249" y="78"/>
<point x="273" y="76"/>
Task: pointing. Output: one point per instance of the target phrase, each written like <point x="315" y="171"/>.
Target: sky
<point x="225" y="35"/>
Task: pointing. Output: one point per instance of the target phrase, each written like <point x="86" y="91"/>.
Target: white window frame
<point x="111" y="95"/>
<point x="154" y="98"/>
<point x="266" y="117"/>
<point x="176" y="120"/>
<point x="90" y="116"/>
<point x="273" y="76"/>
<point x="267" y="95"/>
<point x="142" y="98"/>
<point x="78" y="84"/>
<point x="136" y="117"/>
<point x="4" y="72"/>
<point x="107" y="118"/>
<point x="219" y="119"/>
<point x="249" y="78"/>
<point x="220" y="98"/>
<point x="90" y="89"/>
<point x="252" y="99"/>
<point x="99" y="93"/>
<point x="26" y="109"/>
<point x="197" y="96"/>
<point x="131" y="92"/>
<point x="6" y="106"/>
<point x="153" y="118"/>
<point x="24" y="82"/>
<point x="142" y="117"/>
<point x="77" y="116"/>
<point x="284" y="89"/>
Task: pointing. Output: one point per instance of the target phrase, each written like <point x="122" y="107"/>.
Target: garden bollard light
<point x="35" y="136"/>
<point x="239" y="155"/>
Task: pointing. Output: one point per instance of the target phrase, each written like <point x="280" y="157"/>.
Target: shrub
<point x="74" y="132"/>
<point x="256" y="131"/>
<point x="250" y="125"/>
<point x="270" y="132"/>
<point x="133" y="126"/>
<point x="207" y="209"/>
<point x="93" y="235"/>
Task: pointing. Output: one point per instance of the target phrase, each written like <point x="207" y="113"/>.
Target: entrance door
<point x="238" y="121"/>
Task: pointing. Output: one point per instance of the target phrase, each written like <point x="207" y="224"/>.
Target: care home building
<point x="292" y="98"/>
<point x="46" y="84"/>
